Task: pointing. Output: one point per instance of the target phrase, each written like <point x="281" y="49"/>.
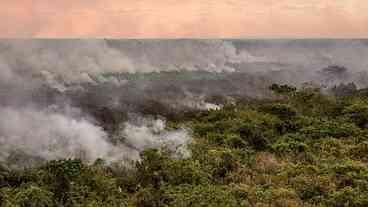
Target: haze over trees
<point x="153" y="123"/>
<point x="303" y="148"/>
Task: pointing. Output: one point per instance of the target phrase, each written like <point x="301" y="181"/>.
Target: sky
<point x="184" y="19"/>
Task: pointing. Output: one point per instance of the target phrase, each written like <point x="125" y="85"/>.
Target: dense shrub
<point x="305" y="148"/>
<point x="357" y="113"/>
<point x="27" y="195"/>
<point x="290" y="143"/>
<point x="204" y="196"/>
<point x="284" y="111"/>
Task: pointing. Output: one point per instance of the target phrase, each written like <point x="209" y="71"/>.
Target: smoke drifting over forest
<point x="109" y="98"/>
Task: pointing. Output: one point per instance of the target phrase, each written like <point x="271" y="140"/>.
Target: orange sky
<point x="184" y="18"/>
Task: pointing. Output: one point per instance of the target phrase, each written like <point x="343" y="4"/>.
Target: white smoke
<point x="26" y="66"/>
<point x="179" y="55"/>
<point x="197" y="102"/>
<point x="151" y="133"/>
<point x="50" y="135"/>
<point x="75" y="61"/>
<point x="64" y="62"/>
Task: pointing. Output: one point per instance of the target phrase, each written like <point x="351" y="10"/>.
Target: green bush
<point x="290" y="143"/>
<point x="304" y="148"/>
<point x="204" y="196"/>
<point x="27" y="195"/>
<point x="284" y="111"/>
<point x="348" y="197"/>
<point x="357" y="113"/>
<point x="328" y="128"/>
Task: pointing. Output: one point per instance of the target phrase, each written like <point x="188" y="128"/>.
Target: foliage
<point x="305" y="148"/>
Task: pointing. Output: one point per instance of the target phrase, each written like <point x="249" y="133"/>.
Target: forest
<point x="302" y="147"/>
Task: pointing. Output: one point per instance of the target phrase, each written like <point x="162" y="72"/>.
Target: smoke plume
<point x="42" y="134"/>
<point x="74" y="98"/>
<point x="47" y="135"/>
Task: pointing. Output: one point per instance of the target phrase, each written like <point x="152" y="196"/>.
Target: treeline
<point x="304" y="148"/>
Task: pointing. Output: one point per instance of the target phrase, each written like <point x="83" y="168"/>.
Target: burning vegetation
<point x="183" y="123"/>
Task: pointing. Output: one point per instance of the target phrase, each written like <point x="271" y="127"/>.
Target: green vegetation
<point x="302" y="149"/>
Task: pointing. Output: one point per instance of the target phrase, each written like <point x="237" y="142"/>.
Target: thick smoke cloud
<point x="151" y="133"/>
<point x="310" y="54"/>
<point x="77" y="60"/>
<point x="72" y="98"/>
<point x="40" y="135"/>
<point x="63" y="62"/>
<point x="50" y="135"/>
<point x="69" y="60"/>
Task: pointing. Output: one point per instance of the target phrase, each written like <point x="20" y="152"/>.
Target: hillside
<point x="303" y="149"/>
